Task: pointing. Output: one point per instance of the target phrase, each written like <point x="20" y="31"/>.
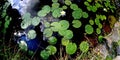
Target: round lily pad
<point x="35" y="21"/>
<point x="64" y="41"/>
<point x="23" y="45"/>
<point x="31" y="34"/>
<point x="54" y="1"/>
<point x="42" y="13"/>
<point x="52" y="40"/>
<point x="76" y="23"/>
<point x="51" y="49"/>
<point x="62" y="32"/>
<point x="55" y="5"/>
<point x="85" y="15"/>
<point x="47" y="24"/>
<point x="48" y="32"/>
<point x="97" y="21"/>
<point x="56" y="13"/>
<point x="25" y="24"/>
<point x="77" y="14"/>
<point x="64" y="24"/>
<point x="71" y="48"/>
<point x="68" y="2"/>
<point x="74" y="6"/>
<point x="44" y="54"/>
<point x="89" y="29"/>
<point x="55" y="26"/>
<point x="84" y="46"/>
<point x="68" y="34"/>
<point x="64" y="7"/>
<point x="46" y="8"/>
<point x="98" y="30"/>
<point x="91" y="22"/>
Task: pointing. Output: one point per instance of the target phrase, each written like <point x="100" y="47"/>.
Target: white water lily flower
<point x="63" y="13"/>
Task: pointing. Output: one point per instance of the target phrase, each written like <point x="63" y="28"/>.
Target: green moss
<point x="84" y="46"/>
<point x="76" y="23"/>
<point x="71" y="48"/>
<point x="89" y="29"/>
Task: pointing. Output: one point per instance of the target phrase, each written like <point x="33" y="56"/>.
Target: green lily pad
<point x="52" y="40"/>
<point x="42" y="13"/>
<point x="94" y="9"/>
<point x="51" y="49"/>
<point x="26" y="16"/>
<point x="85" y="15"/>
<point x="25" y="24"/>
<point x="68" y="2"/>
<point x="54" y="1"/>
<point x="77" y="14"/>
<point x="47" y="24"/>
<point x="55" y="5"/>
<point x="84" y="46"/>
<point x="64" y="24"/>
<point x="89" y="29"/>
<point x="100" y="25"/>
<point x="48" y="32"/>
<point x="71" y="48"/>
<point x="56" y="13"/>
<point x="98" y="30"/>
<point x="64" y="41"/>
<point x="64" y="7"/>
<point x="62" y="32"/>
<point x="55" y="26"/>
<point x="68" y="34"/>
<point x="23" y="45"/>
<point x="44" y="54"/>
<point x="35" y="21"/>
<point x="74" y="6"/>
<point x="91" y="22"/>
<point x="86" y="3"/>
<point x="31" y="34"/>
<point x="97" y="21"/>
<point x="46" y="8"/>
<point x="76" y="23"/>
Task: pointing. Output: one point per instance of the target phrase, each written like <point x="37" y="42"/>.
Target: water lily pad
<point x="71" y="48"/>
<point x="55" y="5"/>
<point x="47" y="24"/>
<point x="26" y="15"/>
<point x="76" y="23"/>
<point x="31" y="34"/>
<point x="42" y="13"/>
<point x="97" y="21"/>
<point x="64" y="24"/>
<point x="68" y="34"/>
<point x="52" y="40"/>
<point x="62" y="32"/>
<point x="94" y="9"/>
<point x="51" y="49"/>
<point x="55" y="26"/>
<point x="23" y="45"/>
<point x="98" y="30"/>
<point x="64" y="41"/>
<point x="77" y="14"/>
<point x="25" y="24"/>
<point x="44" y="54"/>
<point x="54" y="1"/>
<point x="86" y="3"/>
<point x="64" y="7"/>
<point x="85" y="15"/>
<point x="48" y="32"/>
<point x="68" y="2"/>
<point x="35" y="21"/>
<point x="91" y="22"/>
<point x="46" y="8"/>
<point x="84" y="46"/>
<point x="89" y="29"/>
<point x="74" y="6"/>
<point x="56" y="13"/>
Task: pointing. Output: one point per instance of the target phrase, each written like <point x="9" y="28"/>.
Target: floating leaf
<point x="23" y="45"/>
<point x="55" y="5"/>
<point x="64" y="24"/>
<point x="46" y="9"/>
<point x="76" y="23"/>
<point x="100" y="38"/>
<point x="71" y="48"/>
<point x="98" y="30"/>
<point x="77" y="14"/>
<point x="86" y="3"/>
<point x="26" y="16"/>
<point x="62" y="32"/>
<point x="51" y="49"/>
<point x="44" y="54"/>
<point x="68" y="34"/>
<point x="100" y="25"/>
<point x="91" y="22"/>
<point x="52" y="40"/>
<point x="55" y="26"/>
<point x="25" y="24"/>
<point x="97" y="21"/>
<point x="88" y="29"/>
<point x="85" y="15"/>
<point x="31" y="34"/>
<point x="68" y="2"/>
<point x="48" y="32"/>
<point x="89" y="0"/>
<point x="42" y="13"/>
<point x="94" y="9"/>
<point x="89" y="8"/>
<point x="74" y="6"/>
<point x="54" y="1"/>
<point x="84" y="46"/>
<point x="56" y="13"/>
<point x="64" y="7"/>
<point x="47" y="24"/>
<point x="35" y="21"/>
<point x="64" y="41"/>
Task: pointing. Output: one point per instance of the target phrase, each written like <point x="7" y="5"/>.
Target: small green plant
<point x="76" y="23"/>
<point x="52" y="40"/>
<point x="48" y="32"/>
<point x="31" y="34"/>
<point x="77" y="14"/>
<point x="74" y="6"/>
<point x="89" y="29"/>
<point x="65" y="41"/>
<point x="44" y="54"/>
<point x="71" y="48"/>
<point x="51" y="49"/>
<point x="68" y="2"/>
<point x="23" y="45"/>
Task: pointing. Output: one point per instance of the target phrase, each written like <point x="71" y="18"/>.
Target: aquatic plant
<point x="65" y="41"/>
<point x="89" y="29"/>
<point x="91" y="22"/>
<point x="31" y="34"/>
<point x="54" y="1"/>
<point x="85" y="15"/>
<point x="68" y="2"/>
<point x="55" y="26"/>
<point x="51" y="49"/>
<point x="84" y="46"/>
<point x="23" y="46"/>
<point x="71" y="48"/>
<point x="77" y="14"/>
<point x="55" y="5"/>
<point x="100" y="38"/>
<point x="98" y="30"/>
<point x="64" y="24"/>
<point x="76" y="23"/>
<point x="35" y="21"/>
<point x="47" y="32"/>
<point x="44" y="54"/>
<point x="74" y="6"/>
<point x="52" y="40"/>
<point x="68" y="34"/>
<point x="64" y="7"/>
<point x="56" y="13"/>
